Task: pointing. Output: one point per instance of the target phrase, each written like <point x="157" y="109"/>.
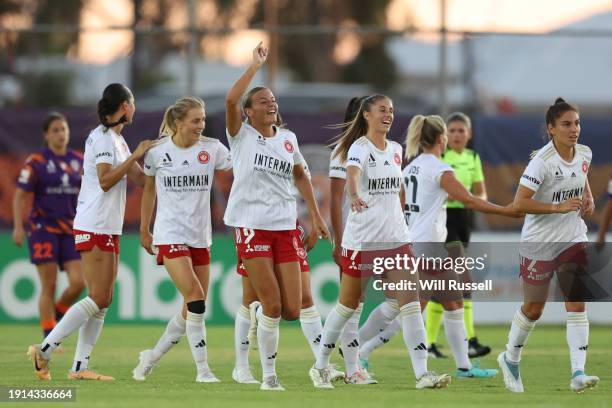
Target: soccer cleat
<point x="361" y="377"/>
<point x="475" y="349"/>
<point x="242" y="375"/>
<point x="476" y="372"/>
<point x="252" y="335"/>
<point x="432" y="380"/>
<point x="433" y="352"/>
<point x="321" y="378"/>
<point x="41" y="366"/>
<point x="334" y="373"/>
<point x="145" y="366"/>
<point x="271" y="383"/>
<point x="88" y="375"/>
<point x="207" y="377"/>
<point x="512" y="375"/>
<point x="582" y="382"/>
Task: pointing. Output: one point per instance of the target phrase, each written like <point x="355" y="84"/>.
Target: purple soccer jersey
<point x="55" y="182"/>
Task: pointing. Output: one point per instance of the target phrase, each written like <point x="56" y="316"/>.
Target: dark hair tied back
<point x="112" y="98"/>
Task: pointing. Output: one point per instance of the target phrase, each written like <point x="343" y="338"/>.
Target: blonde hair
<point x="177" y="112"/>
<point x="423" y="132"/>
<point x="355" y="128"/>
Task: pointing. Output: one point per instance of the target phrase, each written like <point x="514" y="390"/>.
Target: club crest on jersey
<point x="397" y="159"/>
<point x="585" y="166"/>
<point x="203" y="157"/>
<point x="289" y="146"/>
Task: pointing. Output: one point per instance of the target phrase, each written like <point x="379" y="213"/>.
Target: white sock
<point x="381" y="339"/>
<point x="457" y="337"/>
<point x="241" y="332"/>
<point x="88" y="337"/>
<point x="349" y="338"/>
<point x="517" y="337"/>
<point x="175" y="329"/>
<point x="378" y="320"/>
<point x="335" y="322"/>
<point x="74" y="318"/>
<point x="267" y="339"/>
<point x="414" y="337"/>
<point x="577" y="339"/>
<point x="310" y="320"/>
<point x="196" y="335"/>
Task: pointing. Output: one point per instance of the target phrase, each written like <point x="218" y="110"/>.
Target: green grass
<point x="545" y="371"/>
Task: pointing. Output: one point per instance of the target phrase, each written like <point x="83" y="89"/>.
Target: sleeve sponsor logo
<point x="532" y="179"/>
<point x="104" y="154"/>
<point x="338" y="168"/>
<point x="354" y="159"/>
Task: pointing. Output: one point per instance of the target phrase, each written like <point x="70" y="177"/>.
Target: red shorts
<point x="359" y="264"/>
<point x="199" y="256"/>
<point x="541" y="272"/>
<point x="85" y="241"/>
<point x="281" y="246"/>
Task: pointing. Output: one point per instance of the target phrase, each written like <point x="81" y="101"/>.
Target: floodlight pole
<point x="271" y="23"/>
<point x="442" y="69"/>
<point x="191" y="48"/>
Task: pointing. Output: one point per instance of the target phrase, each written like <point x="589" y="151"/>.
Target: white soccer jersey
<point x="337" y="169"/>
<point x="262" y="193"/>
<point x="425" y="200"/>
<point x="381" y="225"/>
<point x="554" y="181"/>
<point x="183" y="179"/>
<point x="98" y="211"/>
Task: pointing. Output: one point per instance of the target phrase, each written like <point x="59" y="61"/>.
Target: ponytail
<point x="423" y="132"/>
<point x="112" y="98"/>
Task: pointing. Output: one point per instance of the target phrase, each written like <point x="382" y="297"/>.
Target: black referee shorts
<point x="459" y="225"/>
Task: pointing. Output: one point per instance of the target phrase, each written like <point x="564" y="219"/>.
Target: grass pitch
<point x="545" y="371"/>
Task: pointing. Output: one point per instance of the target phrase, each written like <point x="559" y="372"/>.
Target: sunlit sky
<point x="477" y="15"/>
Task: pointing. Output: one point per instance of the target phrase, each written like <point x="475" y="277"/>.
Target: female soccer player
<point x="53" y="176"/>
<point x="428" y="182"/>
<point x="97" y="226"/>
<point x="179" y="172"/>
<point x="245" y="333"/>
<point x="468" y="170"/>
<point x="554" y="192"/>
<point x="375" y="225"/>
<point x="267" y="164"/>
